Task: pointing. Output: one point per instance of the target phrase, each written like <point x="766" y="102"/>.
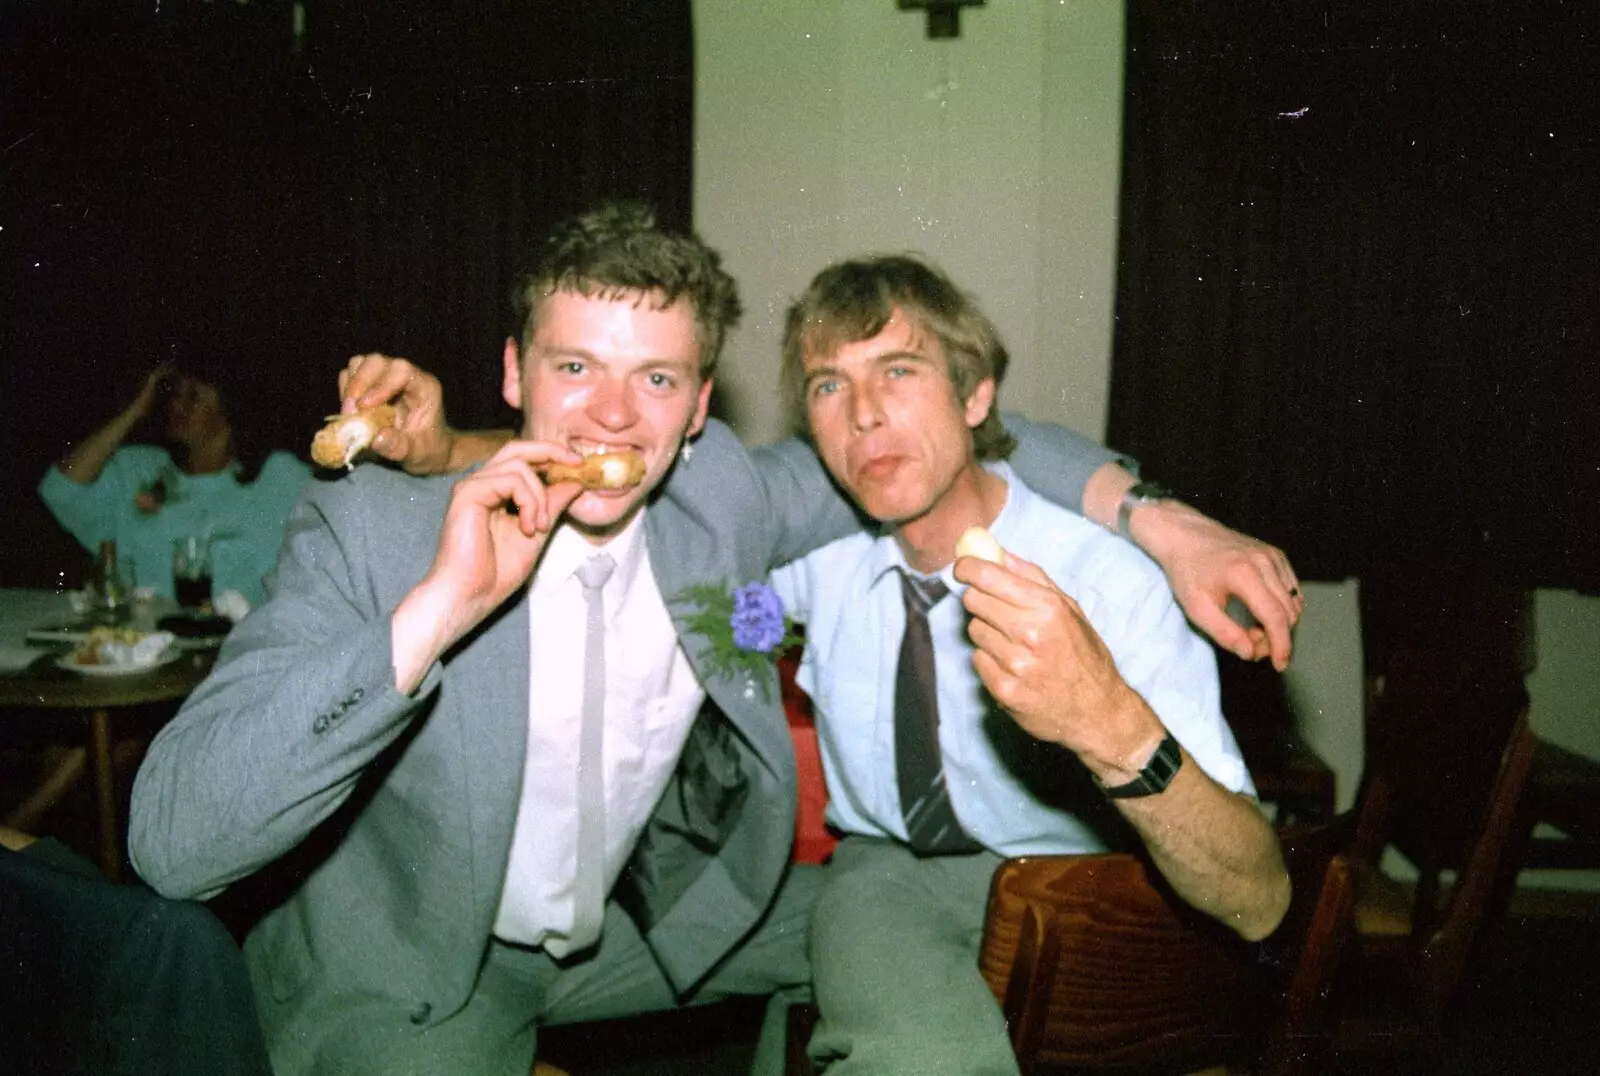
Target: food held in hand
<point x="603" y="470"/>
<point x="978" y="542"/>
<point x="346" y="436"/>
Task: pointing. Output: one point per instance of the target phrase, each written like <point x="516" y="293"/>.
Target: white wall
<point x="827" y="128"/>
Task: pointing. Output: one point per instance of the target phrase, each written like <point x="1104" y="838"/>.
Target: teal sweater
<point x="245" y="522"/>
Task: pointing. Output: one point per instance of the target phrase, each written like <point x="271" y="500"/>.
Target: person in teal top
<point x="210" y="479"/>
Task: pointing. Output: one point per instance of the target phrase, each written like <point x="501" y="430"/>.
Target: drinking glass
<point x="191" y="571"/>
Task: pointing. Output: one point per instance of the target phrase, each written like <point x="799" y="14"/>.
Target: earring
<point x="686" y="451"/>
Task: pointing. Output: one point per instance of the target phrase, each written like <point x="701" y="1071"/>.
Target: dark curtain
<point x="193" y="175"/>
<point x="1359" y="282"/>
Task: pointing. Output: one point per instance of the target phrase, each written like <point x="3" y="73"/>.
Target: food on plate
<point x="103" y="645"/>
<point x="602" y="470"/>
<point x="345" y="436"/>
<point x="978" y="542"/>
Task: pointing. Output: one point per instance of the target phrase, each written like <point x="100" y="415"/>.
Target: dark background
<point x="187" y="174"/>
<point x="1358" y="297"/>
<point x="1358" y="303"/>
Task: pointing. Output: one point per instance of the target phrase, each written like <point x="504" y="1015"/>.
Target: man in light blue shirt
<point x="1075" y="708"/>
<point x="1013" y="795"/>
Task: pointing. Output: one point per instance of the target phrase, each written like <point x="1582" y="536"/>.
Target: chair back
<point x="1449" y="756"/>
<point x="1437" y="735"/>
<point x="1100" y="967"/>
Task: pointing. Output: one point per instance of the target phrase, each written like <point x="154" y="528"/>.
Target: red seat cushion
<point x="812" y="841"/>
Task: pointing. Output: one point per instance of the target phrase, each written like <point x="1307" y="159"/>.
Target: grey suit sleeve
<point x="300" y="702"/>
<point x="1056" y="462"/>
<point x="809" y="511"/>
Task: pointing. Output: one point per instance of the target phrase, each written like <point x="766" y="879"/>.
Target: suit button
<point x="320" y="725"/>
<point x="357" y="695"/>
<point x="420" y="1014"/>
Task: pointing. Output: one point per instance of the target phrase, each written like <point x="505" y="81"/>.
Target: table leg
<point x="68" y="769"/>
<point x="105" y="791"/>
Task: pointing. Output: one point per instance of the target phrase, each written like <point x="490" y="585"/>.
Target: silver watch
<point x="1139" y="493"/>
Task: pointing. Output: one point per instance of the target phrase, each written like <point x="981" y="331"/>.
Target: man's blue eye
<point x="823" y="388"/>
<point x="661" y="381"/>
<point x="571" y="367"/>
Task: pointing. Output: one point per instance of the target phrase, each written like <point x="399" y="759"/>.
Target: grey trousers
<point x="894" y="955"/>
<point x="521" y="990"/>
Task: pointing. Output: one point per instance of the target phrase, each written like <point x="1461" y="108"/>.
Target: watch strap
<point x="1156" y="775"/>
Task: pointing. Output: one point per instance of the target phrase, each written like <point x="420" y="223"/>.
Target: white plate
<point x="168" y="656"/>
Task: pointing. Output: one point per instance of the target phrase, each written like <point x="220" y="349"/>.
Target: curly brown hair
<point x="617" y="250"/>
<point x="853" y="300"/>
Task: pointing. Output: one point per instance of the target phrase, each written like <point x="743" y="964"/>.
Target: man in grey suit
<point x="409" y="724"/>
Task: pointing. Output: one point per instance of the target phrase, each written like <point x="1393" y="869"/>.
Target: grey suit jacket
<point x="395" y="812"/>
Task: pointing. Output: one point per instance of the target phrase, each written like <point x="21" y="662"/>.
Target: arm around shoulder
<point x="1064" y="466"/>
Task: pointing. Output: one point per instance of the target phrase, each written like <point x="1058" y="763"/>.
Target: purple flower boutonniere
<point x="747" y="627"/>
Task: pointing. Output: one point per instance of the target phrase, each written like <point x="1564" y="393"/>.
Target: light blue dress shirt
<point x="1013" y="794"/>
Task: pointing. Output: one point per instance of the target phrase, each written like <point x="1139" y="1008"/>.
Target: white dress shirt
<point x="652" y="696"/>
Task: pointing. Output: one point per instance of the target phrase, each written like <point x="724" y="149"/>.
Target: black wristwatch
<point x="1139" y="493"/>
<point x="1156" y="775"/>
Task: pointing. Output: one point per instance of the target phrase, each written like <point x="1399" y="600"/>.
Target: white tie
<point x="589" y="884"/>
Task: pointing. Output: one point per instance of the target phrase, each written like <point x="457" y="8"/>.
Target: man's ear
<point x="511" y="376"/>
<point x="701" y="409"/>
<point x="979" y="403"/>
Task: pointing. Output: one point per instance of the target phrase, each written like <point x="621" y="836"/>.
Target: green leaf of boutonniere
<point x="746" y="627"/>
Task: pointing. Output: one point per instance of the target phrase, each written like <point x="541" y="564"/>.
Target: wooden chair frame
<point x="1099" y="967"/>
<point x="1423" y="952"/>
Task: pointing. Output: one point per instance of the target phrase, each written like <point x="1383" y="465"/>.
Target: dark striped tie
<point x="931" y="824"/>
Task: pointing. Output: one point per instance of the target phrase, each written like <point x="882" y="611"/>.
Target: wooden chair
<point x="1563" y="792"/>
<point x="1100" y="968"/>
<point x="1449" y="753"/>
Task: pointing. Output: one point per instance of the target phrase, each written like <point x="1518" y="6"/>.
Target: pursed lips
<point x="877" y="467"/>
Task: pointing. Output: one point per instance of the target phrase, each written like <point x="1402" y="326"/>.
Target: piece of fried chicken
<point x="604" y="470"/>
<point x="346" y="436"/>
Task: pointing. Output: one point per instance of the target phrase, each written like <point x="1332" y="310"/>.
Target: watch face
<point x="1156" y="775"/>
<point x="1164" y="764"/>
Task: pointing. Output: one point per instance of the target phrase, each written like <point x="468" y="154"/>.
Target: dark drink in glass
<point x="191" y="571"/>
<point x="192" y="592"/>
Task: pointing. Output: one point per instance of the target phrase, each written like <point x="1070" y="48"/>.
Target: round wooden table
<point x="45" y="692"/>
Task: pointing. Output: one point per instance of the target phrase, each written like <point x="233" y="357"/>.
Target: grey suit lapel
<point x="682" y="555"/>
